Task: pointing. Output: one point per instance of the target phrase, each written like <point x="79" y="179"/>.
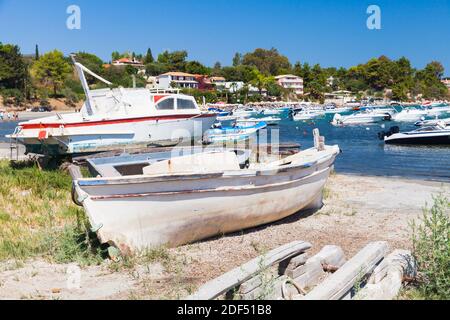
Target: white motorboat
<point x="410" y="114"/>
<point x="245" y="112"/>
<point x="270" y="121"/>
<point x="189" y="198"/>
<point x="359" y="118"/>
<point x="432" y="122"/>
<point x="116" y="119"/>
<point x="307" y="114"/>
<point x="438" y="134"/>
<point x="241" y="132"/>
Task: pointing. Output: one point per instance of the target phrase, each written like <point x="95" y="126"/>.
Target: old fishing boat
<point x="189" y="198"/>
<point x="116" y="119"/>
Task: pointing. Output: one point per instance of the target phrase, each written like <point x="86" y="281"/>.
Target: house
<point x="290" y="81"/>
<point x="219" y="82"/>
<point x="179" y="79"/>
<point x="340" y="97"/>
<point x="204" y="82"/>
<point x="128" y="62"/>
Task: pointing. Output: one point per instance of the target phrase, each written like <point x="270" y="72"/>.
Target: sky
<point x="332" y="33"/>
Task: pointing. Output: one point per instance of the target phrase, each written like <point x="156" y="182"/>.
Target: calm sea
<point x="362" y="151"/>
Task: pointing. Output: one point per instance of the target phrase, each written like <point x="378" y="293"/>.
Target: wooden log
<point x="235" y="277"/>
<point x="398" y="265"/>
<point x="312" y="276"/>
<point x="337" y="285"/>
<point x="381" y="269"/>
<point x="290" y="264"/>
<point x="268" y="291"/>
<point x="310" y="265"/>
<point x="255" y="282"/>
<point x="331" y="255"/>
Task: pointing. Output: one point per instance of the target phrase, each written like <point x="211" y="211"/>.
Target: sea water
<point x="362" y="152"/>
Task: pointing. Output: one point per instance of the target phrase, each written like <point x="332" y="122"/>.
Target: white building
<point x="290" y="81"/>
<point x="180" y="79"/>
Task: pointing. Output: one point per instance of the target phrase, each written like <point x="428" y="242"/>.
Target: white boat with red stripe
<point x="118" y="118"/>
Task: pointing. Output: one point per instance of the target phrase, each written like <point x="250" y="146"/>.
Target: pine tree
<point x="149" y="57"/>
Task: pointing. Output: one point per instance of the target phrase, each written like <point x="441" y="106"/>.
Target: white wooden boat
<point x="186" y="199"/>
<point x="116" y="119"/>
<point x="245" y="112"/>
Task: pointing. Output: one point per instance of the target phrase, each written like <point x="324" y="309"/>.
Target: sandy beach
<point x="357" y="209"/>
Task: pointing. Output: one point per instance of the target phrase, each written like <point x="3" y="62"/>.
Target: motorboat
<point x="276" y="111"/>
<point x="359" y="118"/>
<point x="190" y="198"/>
<point x="270" y="121"/>
<point x="432" y="122"/>
<point x="306" y="114"/>
<point x="245" y="112"/>
<point x="410" y="114"/>
<point x="233" y="133"/>
<point x="438" y="134"/>
<point x="118" y="118"/>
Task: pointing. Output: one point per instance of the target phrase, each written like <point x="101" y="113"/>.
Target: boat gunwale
<point x="228" y="189"/>
<point x="140" y="179"/>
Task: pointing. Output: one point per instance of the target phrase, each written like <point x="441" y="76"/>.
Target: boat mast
<point x="80" y="70"/>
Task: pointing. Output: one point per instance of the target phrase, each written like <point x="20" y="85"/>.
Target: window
<point x="185" y="104"/>
<point x="167" y="104"/>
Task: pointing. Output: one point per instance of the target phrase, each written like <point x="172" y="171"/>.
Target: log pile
<point x="290" y="273"/>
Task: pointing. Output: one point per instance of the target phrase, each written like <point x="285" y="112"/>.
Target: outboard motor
<point x="390" y="132"/>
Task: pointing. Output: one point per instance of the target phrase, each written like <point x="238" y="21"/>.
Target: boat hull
<point x="78" y="140"/>
<point x="135" y="213"/>
<point x="442" y="139"/>
<point x="171" y="219"/>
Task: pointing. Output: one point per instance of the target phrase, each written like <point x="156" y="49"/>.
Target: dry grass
<point x="37" y="215"/>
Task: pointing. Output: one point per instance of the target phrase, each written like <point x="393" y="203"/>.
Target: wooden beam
<point x="235" y="277"/>
<point x="337" y="285"/>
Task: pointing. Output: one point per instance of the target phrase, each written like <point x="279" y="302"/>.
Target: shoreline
<point x="357" y="210"/>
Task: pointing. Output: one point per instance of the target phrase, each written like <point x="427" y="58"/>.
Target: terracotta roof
<point x="286" y="76"/>
<point x="178" y="74"/>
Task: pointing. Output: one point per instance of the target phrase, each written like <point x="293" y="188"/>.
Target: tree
<point x="115" y="56"/>
<point x="175" y="61"/>
<point x="268" y="62"/>
<point x="237" y="59"/>
<point x="149" y="57"/>
<point x="196" y="67"/>
<point x="36" y="53"/>
<point x="52" y="69"/>
<point x="13" y="69"/>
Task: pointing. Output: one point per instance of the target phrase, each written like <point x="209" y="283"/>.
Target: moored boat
<point x="117" y="118"/>
<point x="359" y="118"/>
<point x="186" y="199"/>
<point x="438" y="134"/>
<point x="231" y="134"/>
<point x="410" y="114"/>
<point x="270" y="121"/>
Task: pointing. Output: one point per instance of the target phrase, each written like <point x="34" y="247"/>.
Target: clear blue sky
<point x="332" y="33"/>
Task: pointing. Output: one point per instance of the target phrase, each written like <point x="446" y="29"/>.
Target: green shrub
<point x="431" y="249"/>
